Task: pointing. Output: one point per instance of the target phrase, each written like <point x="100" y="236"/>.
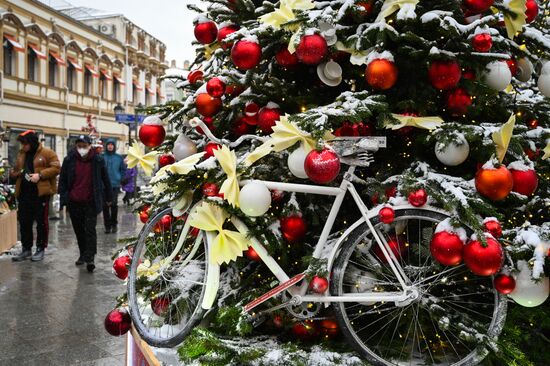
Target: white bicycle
<point x="393" y="302"/>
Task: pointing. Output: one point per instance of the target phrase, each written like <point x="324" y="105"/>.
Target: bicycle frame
<point x="297" y="291"/>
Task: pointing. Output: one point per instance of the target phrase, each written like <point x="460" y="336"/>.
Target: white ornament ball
<point x="545" y="69"/>
<point x="296" y="162"/>
<point x="525" y="69"/>
<point x="497" y="75"/>
<point x="255" y="199"/>
<point x="183" y="147"/>
<point x="544" y="84"/>
<point x="453" y="154"/>
<point x="529" y="293"/>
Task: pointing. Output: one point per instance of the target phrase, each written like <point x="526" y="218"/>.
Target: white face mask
<point x="83" y="151"/>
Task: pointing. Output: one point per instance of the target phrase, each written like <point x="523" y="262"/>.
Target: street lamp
<point x="119" y="112"/>
<point x="138" y="112"/>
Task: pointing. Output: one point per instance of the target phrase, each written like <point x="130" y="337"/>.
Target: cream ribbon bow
<point x="503" y="136"/>
<point x="427" y="123"/>
<point x="285" y="13"/>
<point x="357" y="57"/>
<point x="228" y="162"/>
<point x="285" y="134"/>
<point x="136" y="156"/>
<point x="391" y="6"/>
<point x="516" y="18"/>
<point x="228" y="244"/>
<point x="182" y="167"/>
<point x="546" y="151"/>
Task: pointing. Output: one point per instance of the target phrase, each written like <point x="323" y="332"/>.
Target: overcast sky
<point x="167" y="20"/>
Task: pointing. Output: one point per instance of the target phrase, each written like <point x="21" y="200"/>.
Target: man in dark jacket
<point x="84" y="186"/>
<point x="116" y="169"/>
<point x="36" y="169"/>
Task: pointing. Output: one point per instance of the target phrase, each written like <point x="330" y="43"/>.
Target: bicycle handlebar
<point x="196" y="122"/>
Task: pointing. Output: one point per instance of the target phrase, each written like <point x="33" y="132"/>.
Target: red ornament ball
<point x="286" y="59"/>
<point x="207" y="105"/>
<point x="319" y="285"/>
<point x="215" y="87"/>
<point x="390" y="192"/>
<point x="495" y="184"/>
<point x="482" y="42"/>
<point x="166" y="159"/>
<point x="210" y="148"/>
<point x="206" y="32"/>
<point x="160" y="305"/>
<point x="446" y="248"/>
<point x="251" y="109"/>
<point x="381" y="74"/>
<point x="444" y="75"/>
<point x="458" y="101"/>
<point x="246" y="54"/>
<point x="277" y="195"/>
<point x="241" y="127"/>
<point x="418" y="198"/>
<point x="267" y="117"/>
<point x="493" y="227"/>
<point x="532" y="10"/>
<point x="483" y="261"/>
<point x="364" y="8"/>
<point x="469" y="74"/>
<point x="322" y="166"/>
<point x="293" y="228"/>
<point x="120" y="266"/>
<point x="386" y="215"/>
<point x="143" y="216"/>
<point x="210" y="189"/>
<point x="251" y="254"/>
<point x="305" y="331"/>
<point x="195" y="76"/>
<point x="312" y="49"/>
<point x="118" y="322"/>
<point x="278" y="321"/>
<point x="512" y="65"/>
<point x="534" y="123"/>
<point x="329" y="328"/>
<point x="152" y="135"/>
<point x="166" y="222"/>
<point x="224" y="32"/>
<point x="397" y="246"/>
<point x="525" y="181"/>
<point x="478" y="6"/>
<point x="504" y="283"/>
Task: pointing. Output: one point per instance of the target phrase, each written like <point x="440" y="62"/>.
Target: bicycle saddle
<point x="356" y="151"/>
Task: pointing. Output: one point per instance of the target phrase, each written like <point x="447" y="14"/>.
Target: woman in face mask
<point x="83" y="187"/>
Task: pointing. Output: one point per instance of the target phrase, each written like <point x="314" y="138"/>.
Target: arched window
<point x="88" y="81"/>
<point x="11" y="46"/>
<point x="32" y="65"/>
<point x="53" y="71"/>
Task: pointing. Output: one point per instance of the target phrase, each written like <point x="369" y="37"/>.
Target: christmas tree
<point x="441" y="110"/>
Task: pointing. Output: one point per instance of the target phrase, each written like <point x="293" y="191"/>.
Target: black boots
<point x="107" y="230"/>
<point x="38" y="255"/>
<point x="25" y="254"/>
<point x="90" y="266"/>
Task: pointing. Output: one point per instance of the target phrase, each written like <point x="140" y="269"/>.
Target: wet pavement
<point x="52" y="312"/>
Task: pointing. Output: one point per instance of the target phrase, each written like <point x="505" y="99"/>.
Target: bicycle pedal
<point x="258" y="320"/>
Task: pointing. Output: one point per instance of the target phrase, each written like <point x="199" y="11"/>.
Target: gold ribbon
<point x="427" y="123"/>
<point x="546" y="151"/>
<point x="285" y="13"/>
<point x="136" y="156"/>
<point x="228" y="244"/>
<point x="503" y="136"/>
<point x="285" y="134"/>
<point x="228" y="162"/>
<point x="515" y="19"/>
<point x="182" y="167"/>
<point x="391" y="6"/>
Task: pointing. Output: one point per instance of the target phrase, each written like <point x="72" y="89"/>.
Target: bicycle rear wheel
<point x="456" y="310"/>
<point x="165" y="287"/>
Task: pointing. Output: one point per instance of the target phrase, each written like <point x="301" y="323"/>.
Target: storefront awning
<point x="119" y="79"/>
<point x="137" y="85"/>
<point x="106" y="74"/>
<point x="37" y="52"/>
<point x="58" y="58"/>
<point x="92" y="71"/>
<point x="16" y="45"/>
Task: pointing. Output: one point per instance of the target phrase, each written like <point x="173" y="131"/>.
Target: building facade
<point x="61" y="76"/>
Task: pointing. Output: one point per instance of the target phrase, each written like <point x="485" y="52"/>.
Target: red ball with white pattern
<point x="322" y="166"/>
<point x="152" y="132"/>
<point x="312" y="49"/>
<point x="418" y="198"/>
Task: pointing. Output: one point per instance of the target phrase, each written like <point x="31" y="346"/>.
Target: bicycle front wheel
<point x="448" y="324"/>
<point x="166" y="281"/>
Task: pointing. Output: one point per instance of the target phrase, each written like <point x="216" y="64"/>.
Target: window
<point x="53" y="71"/>
<point x="32" y="65"/>
<point x="103" y="86"/>
<point x="88" y="82"/>
<point x="9" y="58"/>
<point x="147" y="97"/>
<point x="71" y="77"/>
<point x="134" y="93"/>
<point x="49" y="142"/>
<point x="116" y="89"/>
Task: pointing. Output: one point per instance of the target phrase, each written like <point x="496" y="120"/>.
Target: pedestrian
<point x="84" y="187"/>
<point x="35" y="171"/>
<point x="129" y="183"/>
<point x="116" y="169"/>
